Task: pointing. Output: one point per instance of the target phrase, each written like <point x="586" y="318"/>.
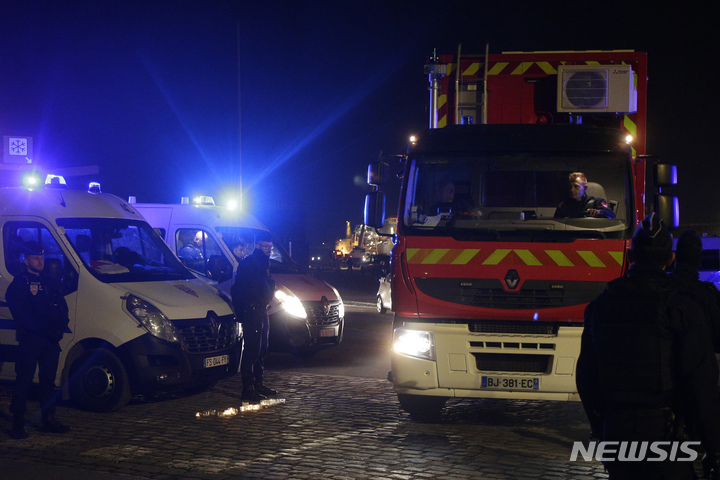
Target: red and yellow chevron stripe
<point x="515" y="256"/>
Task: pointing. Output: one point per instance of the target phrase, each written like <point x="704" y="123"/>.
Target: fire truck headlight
<point x="415" y="343"/>
<point x="290" y="303"/>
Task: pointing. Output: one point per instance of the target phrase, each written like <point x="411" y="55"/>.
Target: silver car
<point x="384" y="302"/>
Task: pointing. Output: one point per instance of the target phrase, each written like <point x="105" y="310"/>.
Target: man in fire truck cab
<point x="579" y="204"/>
<point x="448" y="202"/>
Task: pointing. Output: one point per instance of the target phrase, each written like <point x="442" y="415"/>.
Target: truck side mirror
<point x="376" y="173"/>
<point x="668" y="208"/>
<point x="374" y="214"/>
<point x="665" y="174"/>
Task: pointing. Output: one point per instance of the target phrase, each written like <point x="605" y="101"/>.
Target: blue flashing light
<point x="94" y="187"/>
<point x="536" y="315"/>
<point x="203" y="200"/>
<point x="55" y="181"/>
<point x="31" y="181"/>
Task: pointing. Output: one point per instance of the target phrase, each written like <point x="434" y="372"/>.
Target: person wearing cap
<point x="686" y="277"/>
<point x="41" y="318"/>
<point x="192" y="251"/>
<point x="646" y="367"/>
<point x="251" y="294"/>
<point x="579" y="204"/>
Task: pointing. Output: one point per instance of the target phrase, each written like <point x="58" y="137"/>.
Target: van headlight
<point x="290" y="303"/>
<point x="341" y="305"/>
<point x="152" y="319"/>
<point x="415" y="343"/>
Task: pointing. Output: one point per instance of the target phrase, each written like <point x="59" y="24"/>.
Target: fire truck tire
<point x="421" y="407"/>
<point x="99" y="382"/>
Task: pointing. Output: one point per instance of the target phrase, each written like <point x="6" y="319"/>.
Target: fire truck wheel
<point x="99" y="382"/>
<point x="421" y="407"/>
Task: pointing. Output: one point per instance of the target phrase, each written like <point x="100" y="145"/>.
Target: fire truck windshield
<point x="516" y="196"/>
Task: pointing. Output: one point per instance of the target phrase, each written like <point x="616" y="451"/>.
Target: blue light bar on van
<point x="203" y="200"/>
<point x="55" y="181"/>
<point x="94" y="187"/>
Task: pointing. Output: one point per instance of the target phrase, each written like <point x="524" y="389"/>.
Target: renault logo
<point x="214" y="323"/>
<point x="325" y="304"/>
<point x="512" y="279"/>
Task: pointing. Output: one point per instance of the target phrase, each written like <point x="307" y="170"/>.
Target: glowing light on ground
<point x="245" y="407"/>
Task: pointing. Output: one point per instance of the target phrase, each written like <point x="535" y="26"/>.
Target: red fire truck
<point x="489" y="288"/>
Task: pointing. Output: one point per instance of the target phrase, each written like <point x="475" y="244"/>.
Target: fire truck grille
<point x="506" y="362"/>
<point x="489" y="293"/>
<point x="513" y="328"/>
<point x="200" y="335"/>
<point x="318" y="316"/>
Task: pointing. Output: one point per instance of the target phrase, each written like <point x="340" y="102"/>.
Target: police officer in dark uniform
<point x="686" y="277"/>
<point x="41" y="317"/>
<point x="579" y="204"/>
<point x="646" y="365"/>
<point x="251" y="294"/>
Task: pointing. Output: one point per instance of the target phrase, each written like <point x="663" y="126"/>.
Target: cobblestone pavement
<point x="329" y="427"/>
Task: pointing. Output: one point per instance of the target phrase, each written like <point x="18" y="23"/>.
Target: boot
<point x="263" y="390"/>
<point x="51" y="425"/>
<point x="251" y="395"/>
<point x="18" y="427"/>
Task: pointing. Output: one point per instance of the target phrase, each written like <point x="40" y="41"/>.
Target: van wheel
<point x="380" y="307"/>
<point x="99" y="382"/>
<point x="422" y="407"/>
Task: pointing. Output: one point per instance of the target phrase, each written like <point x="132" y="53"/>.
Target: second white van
<point x="306" y="313"/>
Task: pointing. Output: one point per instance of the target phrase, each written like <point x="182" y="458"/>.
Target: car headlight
<point x="152" y="319"/>
<point x="292" y="305"/>
<point x="415" y="343"/>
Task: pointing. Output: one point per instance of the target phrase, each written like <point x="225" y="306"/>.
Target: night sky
<point x="175" y="98"/>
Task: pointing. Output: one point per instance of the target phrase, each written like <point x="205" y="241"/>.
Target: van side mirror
<point x="219" y="268"/>
<point x="374" y="212"/>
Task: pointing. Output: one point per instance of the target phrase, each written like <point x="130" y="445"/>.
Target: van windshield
<point x="280" y="259"/>
<point x="117" y="250"/>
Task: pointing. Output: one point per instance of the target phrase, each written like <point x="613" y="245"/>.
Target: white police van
<point x="140" y="322"/>
<point x="306" y="312"/>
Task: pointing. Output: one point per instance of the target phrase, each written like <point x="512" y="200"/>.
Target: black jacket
<point x="571" y="208"/>
<point x="38" y="308"/>
<point x="253" y="288"/>
<point x="686" y="278"/>
<point x="645" y="348"/>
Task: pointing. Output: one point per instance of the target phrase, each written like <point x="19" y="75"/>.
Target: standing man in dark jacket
<point x="41" y="317"/>
<point x="686" y="277"/>
<point x="251" y="294"/>
<point x="646" y="365"/>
